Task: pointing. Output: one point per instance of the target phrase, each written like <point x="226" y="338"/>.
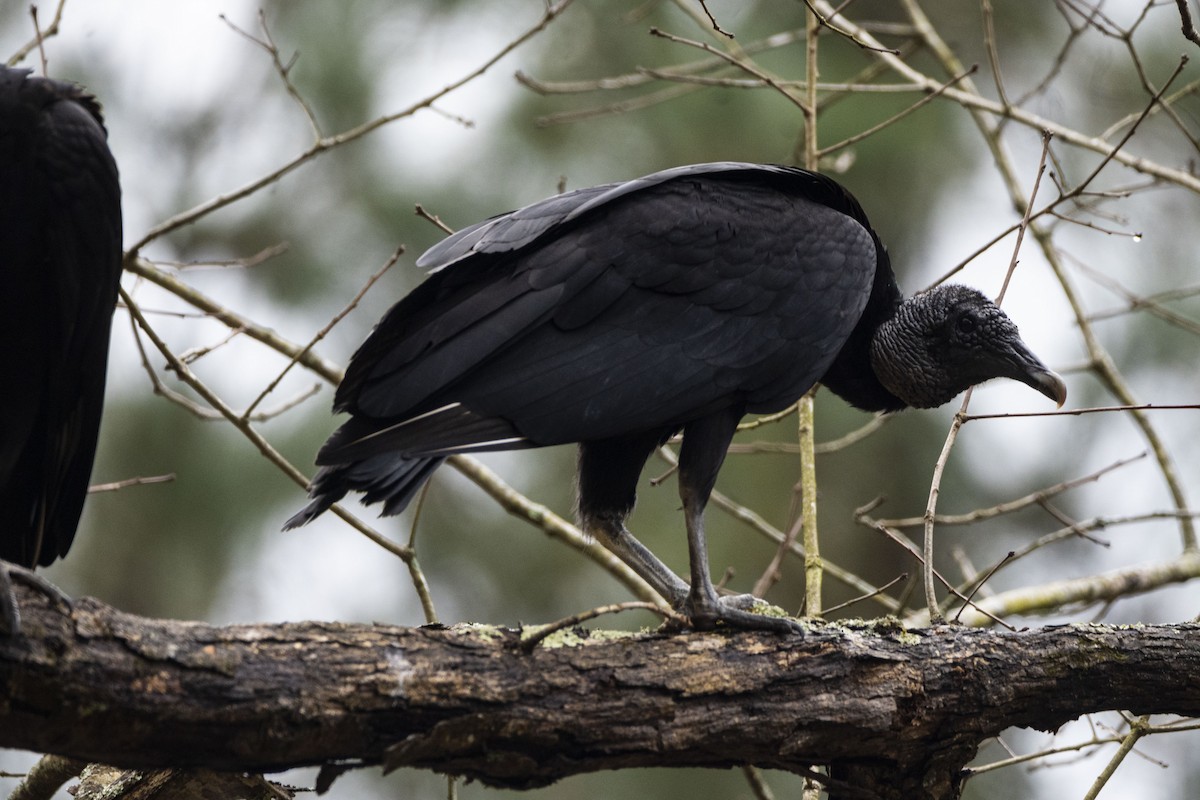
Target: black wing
<point x="60" y="254"/>
<point x="612" y="310"/>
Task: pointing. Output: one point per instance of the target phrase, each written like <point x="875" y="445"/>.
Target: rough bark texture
<point x="897" y="713"/>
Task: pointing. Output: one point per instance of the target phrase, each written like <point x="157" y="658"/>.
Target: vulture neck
<point x="852" y="375"/>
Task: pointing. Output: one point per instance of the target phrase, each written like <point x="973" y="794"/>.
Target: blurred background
<point x="196" y="109"/>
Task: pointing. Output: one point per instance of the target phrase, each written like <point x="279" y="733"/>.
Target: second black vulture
<point x="60" y="258"/>
<point x="619" y="315"/>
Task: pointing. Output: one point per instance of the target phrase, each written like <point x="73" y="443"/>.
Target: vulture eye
<point x="966" y="323"/>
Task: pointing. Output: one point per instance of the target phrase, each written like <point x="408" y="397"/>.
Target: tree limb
<point x="896" y="713"/>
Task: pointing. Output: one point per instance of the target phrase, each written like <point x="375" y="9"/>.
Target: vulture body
<point x="619" y="315"/>
<point x="60" y="259"/>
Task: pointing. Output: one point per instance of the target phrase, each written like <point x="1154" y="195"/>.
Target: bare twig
<point x="541" y="632"/>
<point x="1084" y="591"/>
<point x="758" y="786"/>
<point x="772" y="572"/>
<point x="267" y="43"/>
<point x="970" y="99"/>
<point x="263" y="446"/>
<point x="903" y="576"/>
<point x="1078" y="412"/>
<point x="41" y="39"/>
<point x="981" y="581"/>
<point x="906" y="543"/>
<point x="323" y="332"/>
<point x="554" y="526"/>
<point x="713" y="21"/>
<point x="420" y="211"/>
<point x="1137" y="729"/>
<point x="1185" y="18"/>
<point x="141" y="480"/>
<point x="740" y="63"/>
<point x="928" y="98"/>
<point x="823" y="21"/>
<point x="755" y="521"/>
<point x="40" y="35"/>
<point x="324" y="144"/>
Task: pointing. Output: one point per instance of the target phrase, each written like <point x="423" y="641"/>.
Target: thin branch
<point x="823" y="21"/>
<point x="971" y="100"/>
<point x="903" y="576"/>
<point x="908" y="545"/>
<point x="323" y="332"/>
<point x="322" y="145"/>
<point x="541" y="632"/>
<point x="758" y="786"/>
<point x="806" y="419"/>
<point x="713" y="21"/>
<point x="740" y="63"/>
<point x="41" y="39"/>
<point x="979" y="583"/>
<point x="1185" y="18"/>
<point x="260" y="333"/>
<point x="1059" y="595"/>
<point x="267" y="43"/>
<point x="773" y="571"/>
<point x="935" y="488"/>
<point x="420" y="211"/>
<point x="928" y="98"/>
<point x="263" y="446"/>
<point x="755" y="521"/>
<point x="1078" y="412"/>
<point x="993" y="54"/>
<point x="1101" y="361"/>
<point x="615" y="109"/>
<point x="40" y="35"/>
<point x="1034" y="498"/>
<point x="1137" y="730"/>
<point x="141" y="480"/>
<point x="642" y="77"/>
<point x="554" y="526"/>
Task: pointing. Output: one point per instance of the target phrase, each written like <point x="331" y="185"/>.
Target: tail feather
<point x="388" y="478"/>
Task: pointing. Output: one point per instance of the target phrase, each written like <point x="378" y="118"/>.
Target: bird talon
<point x="742" y="602"/>
<point x="735" y="611"/>
<point x="10" y="614"/>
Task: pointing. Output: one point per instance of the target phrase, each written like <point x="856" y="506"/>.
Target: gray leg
<point x="617" y="539"/>
<point x="704" y="445"/>
<point x="608" y="474"/>
<point x="609" y="470"/>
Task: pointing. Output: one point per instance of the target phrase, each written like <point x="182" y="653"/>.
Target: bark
<point x="894" y="713"/>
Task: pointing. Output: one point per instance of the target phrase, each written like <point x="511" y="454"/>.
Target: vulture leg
<point x="705" y="442"/>
<point x="608" y="475"/>
<point x="617" y="539"/>
<point x="10" y="615"/>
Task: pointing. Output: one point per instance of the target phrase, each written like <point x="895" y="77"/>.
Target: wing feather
<point x="625" y="307"/>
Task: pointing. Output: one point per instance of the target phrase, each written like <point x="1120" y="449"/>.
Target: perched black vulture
<point x="620" y="315"/>
<point x="60" y="260"/>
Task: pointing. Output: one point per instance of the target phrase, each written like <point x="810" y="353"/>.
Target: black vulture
<point x="619" y="315"/>
<point x="60" y="258"/>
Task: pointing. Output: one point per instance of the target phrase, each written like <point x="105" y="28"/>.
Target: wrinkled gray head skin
<point x="944" y="341"/>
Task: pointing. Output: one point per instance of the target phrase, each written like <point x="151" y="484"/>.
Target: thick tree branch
<point x="896" y="712"/>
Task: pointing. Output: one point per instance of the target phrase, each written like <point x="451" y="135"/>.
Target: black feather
<point x="60" y="253"/>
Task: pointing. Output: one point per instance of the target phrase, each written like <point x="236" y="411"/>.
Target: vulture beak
<point x="1029" y="370"/>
